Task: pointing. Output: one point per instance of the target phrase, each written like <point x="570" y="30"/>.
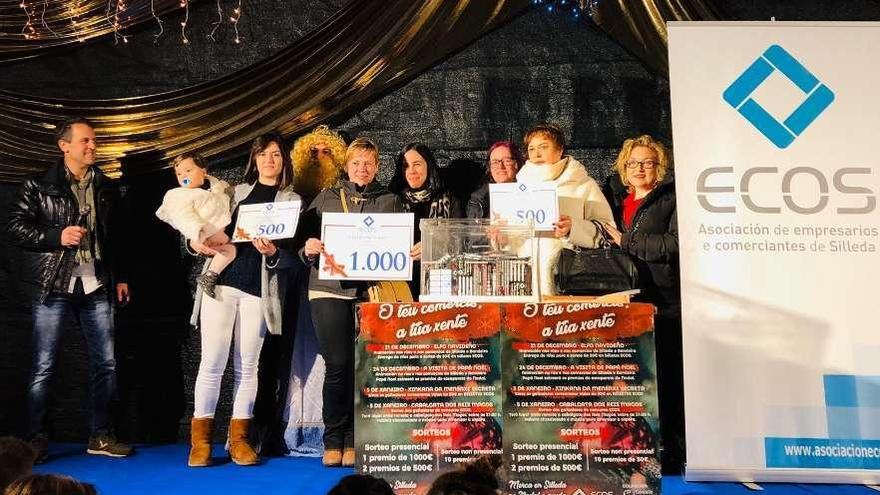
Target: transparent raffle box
<point x="478" y="260"/>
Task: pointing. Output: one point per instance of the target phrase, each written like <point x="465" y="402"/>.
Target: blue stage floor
<point x="163" y="470"/>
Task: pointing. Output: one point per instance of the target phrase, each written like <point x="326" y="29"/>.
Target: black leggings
<point x="335" y="329"/>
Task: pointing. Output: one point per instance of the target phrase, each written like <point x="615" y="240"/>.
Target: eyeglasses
<point x="505" y="162"/>
<point x="645" y="164"/>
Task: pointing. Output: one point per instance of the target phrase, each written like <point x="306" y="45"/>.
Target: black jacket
<point x="373" y="199"/>
<point x="45" y="206"/>
<point x="652" y="241"/>
<point x="478" y="203"/>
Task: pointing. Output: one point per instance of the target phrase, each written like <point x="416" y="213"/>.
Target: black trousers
<point x="267" y="427"/>
<point x="670" y="388"/>
<point x="335" y="329"/>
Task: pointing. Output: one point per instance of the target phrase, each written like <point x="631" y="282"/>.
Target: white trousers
<point x="234" y="316"/>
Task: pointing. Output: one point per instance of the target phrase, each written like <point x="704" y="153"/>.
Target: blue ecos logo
<point x="783" y="133"/>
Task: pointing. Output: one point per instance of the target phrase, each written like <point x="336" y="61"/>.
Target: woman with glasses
<point x="580" y="199"/>
<point x="642" y="195"/>
<point x="504" y="162"/>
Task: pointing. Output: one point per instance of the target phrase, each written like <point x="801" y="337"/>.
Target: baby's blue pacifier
<point x="186" y="181"/>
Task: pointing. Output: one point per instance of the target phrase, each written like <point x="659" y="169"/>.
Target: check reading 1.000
<point x="366" y="246"/>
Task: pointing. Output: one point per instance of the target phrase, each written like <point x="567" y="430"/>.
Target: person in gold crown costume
<point x="317" y="160"/>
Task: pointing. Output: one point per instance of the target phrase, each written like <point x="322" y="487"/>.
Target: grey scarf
<point x="84" y="192"/>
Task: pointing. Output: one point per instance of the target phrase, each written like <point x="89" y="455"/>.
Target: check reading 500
<point x="537" y="216"/>
<point x="270" y="229"/>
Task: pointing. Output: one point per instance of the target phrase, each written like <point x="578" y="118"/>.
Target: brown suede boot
<point x="200" y="437"/>
<point x="332" y="457"/>
<point x="348" y="457"/>
<point x="240" y="450"/>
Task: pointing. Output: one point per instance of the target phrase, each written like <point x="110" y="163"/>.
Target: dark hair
<point x="476" y="478"/>
<point x="16" y="460"/>
<point x="361" y="484"/>
<point x="514" y="153"/>
<point x="433" y="183"/>
<point x="63" y="131"/>
<point x="551" y="131"/>
<point x="198" y="159"/>
<point x="251" y="174"/>
<point x="49" y="484"/>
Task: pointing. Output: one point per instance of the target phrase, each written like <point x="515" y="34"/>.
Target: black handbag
<point x="597" y="271"/>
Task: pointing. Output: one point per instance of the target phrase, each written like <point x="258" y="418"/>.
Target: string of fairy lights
<point x="573" y="8"/>
<point x="47" y="23"/>
<point x="53" y="22"/>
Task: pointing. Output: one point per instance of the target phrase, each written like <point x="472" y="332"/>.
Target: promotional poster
<point x="580" y="399"/>
<point x="428" y="393"/>
<point x="572" y="385"/>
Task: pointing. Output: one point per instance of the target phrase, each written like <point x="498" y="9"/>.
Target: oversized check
<point x="267" y="220"/>
<point x="518" y="203"/>
<point x="366" y="246"/>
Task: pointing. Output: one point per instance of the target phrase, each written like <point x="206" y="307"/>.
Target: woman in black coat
<point x="333" y="302"/>
<point x="642" y="197"/>
<point x="418" y="184"/>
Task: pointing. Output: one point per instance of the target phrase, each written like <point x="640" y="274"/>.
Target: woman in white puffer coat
<point x="580" y="199"/>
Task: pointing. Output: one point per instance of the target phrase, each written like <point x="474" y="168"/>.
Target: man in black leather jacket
<point x="62" y="220"/>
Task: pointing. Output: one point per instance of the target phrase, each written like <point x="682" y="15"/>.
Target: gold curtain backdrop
<point x="56" y="24"/>
<point x="373" y="46"/>
<point x="640" y="25"/>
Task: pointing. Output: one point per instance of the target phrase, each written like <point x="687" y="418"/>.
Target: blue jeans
<point x="96" y="320"/>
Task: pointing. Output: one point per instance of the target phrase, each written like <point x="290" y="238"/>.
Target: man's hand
<point x="71" y="236"/>
<point x="123" y="295"/>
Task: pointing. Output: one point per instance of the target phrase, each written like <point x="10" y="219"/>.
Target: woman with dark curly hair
<point x="478" y="477"/>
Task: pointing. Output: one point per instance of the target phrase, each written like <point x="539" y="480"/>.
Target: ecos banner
<point x="775" y="127"/>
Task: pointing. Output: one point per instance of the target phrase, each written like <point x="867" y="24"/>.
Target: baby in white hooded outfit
<point x="200" y="210"/>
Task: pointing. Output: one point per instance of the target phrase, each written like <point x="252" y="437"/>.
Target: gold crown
<point x="323" y="130"/>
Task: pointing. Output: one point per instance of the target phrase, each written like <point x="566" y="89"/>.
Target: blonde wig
<point x="312" y="173"/>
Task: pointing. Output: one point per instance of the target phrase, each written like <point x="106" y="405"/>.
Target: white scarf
<point x="534" y="173"/>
